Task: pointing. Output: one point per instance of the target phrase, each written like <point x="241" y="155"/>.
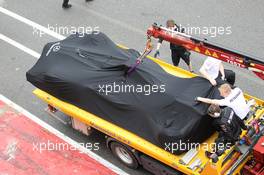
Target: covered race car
<point x="90" y="72"/>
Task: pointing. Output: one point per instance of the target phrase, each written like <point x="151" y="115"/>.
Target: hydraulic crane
<point x="205" y="47"/>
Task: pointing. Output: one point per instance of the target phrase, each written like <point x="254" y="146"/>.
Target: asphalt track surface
<point x="125" y="22"/>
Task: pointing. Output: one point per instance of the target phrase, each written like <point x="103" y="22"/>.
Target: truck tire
<point x="124" y="155"/>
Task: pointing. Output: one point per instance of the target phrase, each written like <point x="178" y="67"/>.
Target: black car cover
<point x="89" y="71"/>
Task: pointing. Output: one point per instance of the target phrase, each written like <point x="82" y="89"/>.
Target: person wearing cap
<point x="213" y="70"/>
<point x="177" y="52"/>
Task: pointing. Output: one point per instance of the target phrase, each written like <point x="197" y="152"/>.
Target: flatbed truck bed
<point x="139" y="146"/>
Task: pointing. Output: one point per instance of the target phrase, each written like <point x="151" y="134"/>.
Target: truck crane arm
<point x="205" y="47"/>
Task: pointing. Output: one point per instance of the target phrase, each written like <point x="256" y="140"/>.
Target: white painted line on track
<point x="62" y="136"/>
<point x="31" y="23"/>
<point x="47" y="126"/>
<point x="19" y="46"/>
<point x="61" y="37"/>
<point x="34" y="118"/>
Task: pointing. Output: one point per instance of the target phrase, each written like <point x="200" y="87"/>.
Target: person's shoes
<point x="212" y="156"/>
<point x="208" y="154"/>
<point x="66" y="6"/>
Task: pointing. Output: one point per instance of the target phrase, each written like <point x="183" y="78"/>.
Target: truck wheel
<point x="124" y="155"/>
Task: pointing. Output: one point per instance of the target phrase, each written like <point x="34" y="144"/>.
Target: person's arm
<point x="157" y="53"/>
<point x="209" y="101"/>
<point x="158" y="45"/>
<point x="222" y="71"/>
<point x="207" y="76"/>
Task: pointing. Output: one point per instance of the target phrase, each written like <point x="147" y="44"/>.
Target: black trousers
<point x="221" y="144"/>
<point x="176" y="55"/>
<point x="65" y="2"/>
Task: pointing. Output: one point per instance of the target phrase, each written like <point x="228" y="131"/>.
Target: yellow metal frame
<point x="137" y="142"/>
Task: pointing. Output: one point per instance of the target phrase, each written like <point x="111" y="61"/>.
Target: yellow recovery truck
<point x="133" y="150"/>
